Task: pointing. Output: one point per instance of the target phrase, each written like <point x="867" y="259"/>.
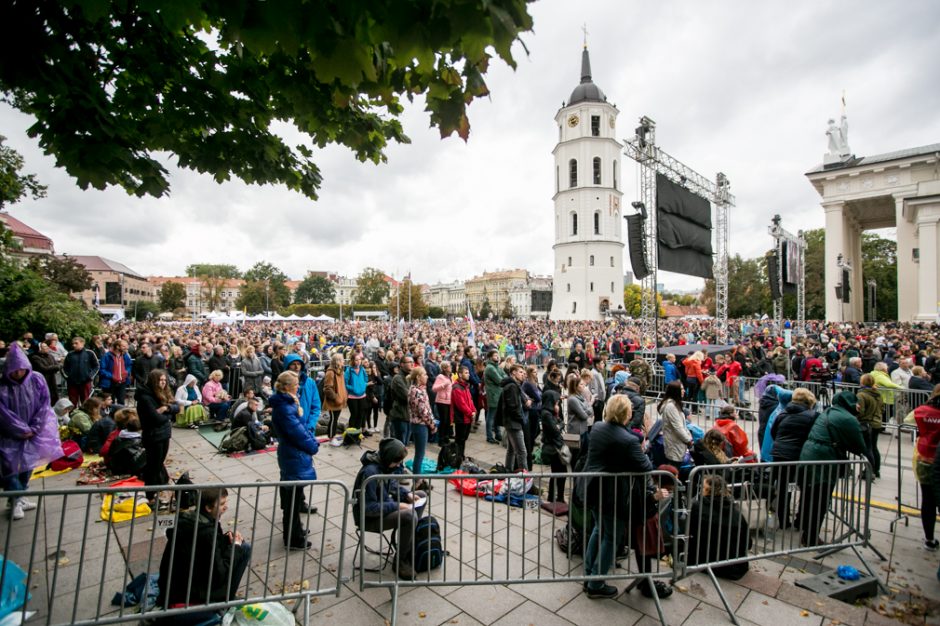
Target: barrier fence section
<point x="493" y="533"/>
<point x="76" y="554"/>
<point x="743" y="512"/>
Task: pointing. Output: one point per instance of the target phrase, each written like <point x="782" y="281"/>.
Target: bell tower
<point x="588" y="272"/>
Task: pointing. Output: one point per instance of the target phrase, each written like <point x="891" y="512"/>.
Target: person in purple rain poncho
<point x="29" y="434"/>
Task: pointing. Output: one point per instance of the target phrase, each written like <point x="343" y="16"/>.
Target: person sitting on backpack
<point x="387" y="504"/>
<point x="201" y="563"/>
<point x="249" y="416"/>
<point x="126" y="454"/>
<point x="717" y="529"/>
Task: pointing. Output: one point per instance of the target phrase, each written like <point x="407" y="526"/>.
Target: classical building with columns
<point x="897" y="189"/>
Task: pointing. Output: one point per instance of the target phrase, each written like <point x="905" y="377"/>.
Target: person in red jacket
<point x="462" y="408"/>
<point x="693" y="376"/>
<point x="731" y="370"/>
<point x="727" y="425"/>
<point x="927" y="417"/>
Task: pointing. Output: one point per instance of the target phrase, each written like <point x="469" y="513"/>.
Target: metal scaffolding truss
<point x="652" y="160"/>
<point x="782" y="236"/>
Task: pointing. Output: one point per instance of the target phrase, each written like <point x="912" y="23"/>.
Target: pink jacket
<point x="441" y="388"/>
<point x="212" y="392"/>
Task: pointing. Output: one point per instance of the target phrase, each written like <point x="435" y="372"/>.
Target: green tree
<point x="315" y="290"/>
<point x="143" y="310"/>
<point x="814" y="271"/>
<point x="507" y="313"/>
<point x="211" y="81"/>
<point x="748" y="291"/>
<point x="633" y="301"/>
<point x="399" y="307"/>
<point x="436" y="312"/>
<point x="66" y="274"/>
<point x="216" y="270"/>
<point x="880" y="263"/>
<point x="485" y="309"/>
<point x="172" y="296"/>
<point x="371" y="287"/>
<point x="264" y="289"/>
<point x="14" y="186"/>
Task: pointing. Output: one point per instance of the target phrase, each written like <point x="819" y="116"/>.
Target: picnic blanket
<point x="428" y="466"/>
<point x="208" y="432"/>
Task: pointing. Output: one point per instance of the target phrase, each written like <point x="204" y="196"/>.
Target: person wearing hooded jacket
<point x="195" y="364"/>
<point x="772" y="403"/>
<point x="295" y="450"/>
<point x="927" y="418"/>
<point x="189" y="399"/>
<point x="790" y="431"/>
<point x="29" y="435"/>
<point x="834" y="434"/>
<point x="553" y="424"/>
<point x="308" y="395"/>
<point x="513" y="413"/>
<point x="386" y="504"/>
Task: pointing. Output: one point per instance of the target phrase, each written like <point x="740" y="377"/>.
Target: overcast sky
<point x="740" y="87"/>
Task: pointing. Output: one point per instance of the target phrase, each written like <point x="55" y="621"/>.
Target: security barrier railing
<point x="76" y="554"/>
<point x="744" y="512"/>
<point x="495" y="533"/>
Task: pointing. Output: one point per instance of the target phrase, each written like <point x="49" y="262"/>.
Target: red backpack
<point x="72" y="457"/>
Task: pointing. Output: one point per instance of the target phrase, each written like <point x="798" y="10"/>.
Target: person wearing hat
<point x="386" y="503"/>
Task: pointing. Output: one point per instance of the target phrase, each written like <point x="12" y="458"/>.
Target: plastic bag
<point x="517" y="486"/>
<point x="126" y="507"/>
<point x="14" y="594"/>
<point x="265" y="613"/>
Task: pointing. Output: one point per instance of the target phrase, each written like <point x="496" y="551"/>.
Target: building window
<point x="557" y="182"/>
<point x="611" y="261"/>
<point x="597" y="222"/>
<point x="591" y="260"/>
<point x="569" y="261"/>
<point x="595" y="126"/>
<point x="597" y="170"/>
<point x="611" y="287"/>
<point x="574" y="223"/>
<point x="569" y="287"/>
<point x="573" y="173"/>
<point x="615" y="174"/>
<point x="592" y="287"/>
<point x="574" y="307"/>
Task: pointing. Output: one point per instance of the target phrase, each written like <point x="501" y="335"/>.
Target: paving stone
<point x="766" y="610"/>
<point x="761" y="583"/>
<point x="700" y="586"/>
<point x="676" y="607"/>
<point x="708" y="615"/>
<point x="486" y="603"/>
<point x="827" y="607"/>
<point x="353" y="610"/>
<point x="584" y="610"/>
<point x="421" y="606"/>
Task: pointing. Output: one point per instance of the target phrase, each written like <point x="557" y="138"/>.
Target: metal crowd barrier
<point x="764" y="510"/>
<point x="76" y="555"/>
<point x="493" y="542"/>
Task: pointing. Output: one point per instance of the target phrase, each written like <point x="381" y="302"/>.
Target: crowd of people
<point x="527" y="384"/>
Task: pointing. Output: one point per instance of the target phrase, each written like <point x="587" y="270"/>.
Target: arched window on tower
<point x="574" y="223"/>
<point x="597" y="170"/>
<point x="557" y="181"/>
<point x="569" y="287"/>
<point x="591" y="261"/>
<point x="611" y="261"/>
<point x="592" y="287"/>
<point x="597" y="222"/>
<point x="573" y="173"/>
<point x="615" y="174"/>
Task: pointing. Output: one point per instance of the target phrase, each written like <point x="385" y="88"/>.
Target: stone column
<point x="927" y="271"/>
<point x="858" y="291"/>
<point x="907" y="280"/>
<point x="835" y="244"/>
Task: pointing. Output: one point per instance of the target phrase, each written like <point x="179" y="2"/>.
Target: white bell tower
<point x="588" y="274"/>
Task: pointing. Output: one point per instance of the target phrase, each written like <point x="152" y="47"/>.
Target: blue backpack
<point x="657" y="447"/>
<point x="428" y="546"/>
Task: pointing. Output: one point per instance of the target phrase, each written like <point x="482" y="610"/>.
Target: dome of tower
<point x="587" y="91"/>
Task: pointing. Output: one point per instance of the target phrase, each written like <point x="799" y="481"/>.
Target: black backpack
<point x="449" y="456"/>
<point x="236" y="441"/>
<point x="428" y="546"/>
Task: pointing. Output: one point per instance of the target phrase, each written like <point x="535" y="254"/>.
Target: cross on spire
<point x="585" y="30"/>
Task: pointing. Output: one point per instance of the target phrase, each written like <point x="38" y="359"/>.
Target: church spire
<point x="585" y="66"/>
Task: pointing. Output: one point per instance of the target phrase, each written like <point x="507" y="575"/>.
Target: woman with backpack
<point x="790" y="431"/>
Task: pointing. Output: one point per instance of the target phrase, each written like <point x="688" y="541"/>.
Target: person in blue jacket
<point x="308" y="395"/>
<point x="356" y="377"/>
<point x="670" y="371"/>
<point x="295" y="450"/>
<point x="783" y="397"/>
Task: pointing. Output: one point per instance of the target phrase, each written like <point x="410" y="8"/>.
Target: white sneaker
<point x="17" y="511"/>
<point x="27" y="505"/>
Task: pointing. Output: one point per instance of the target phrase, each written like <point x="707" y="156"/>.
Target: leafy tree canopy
<point x="172" y="296"/>
<point x="398" y="306"/>
<point x="315" y="290"/>
<point x="371" y="287"/>
<point x="264" y="289"/>
<point x="14" y="185"/>
<point x="633" y="301"/>
<point x="64" y="273"/>
<point x="213" y="269"/>
<point x="112" y="84"/>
